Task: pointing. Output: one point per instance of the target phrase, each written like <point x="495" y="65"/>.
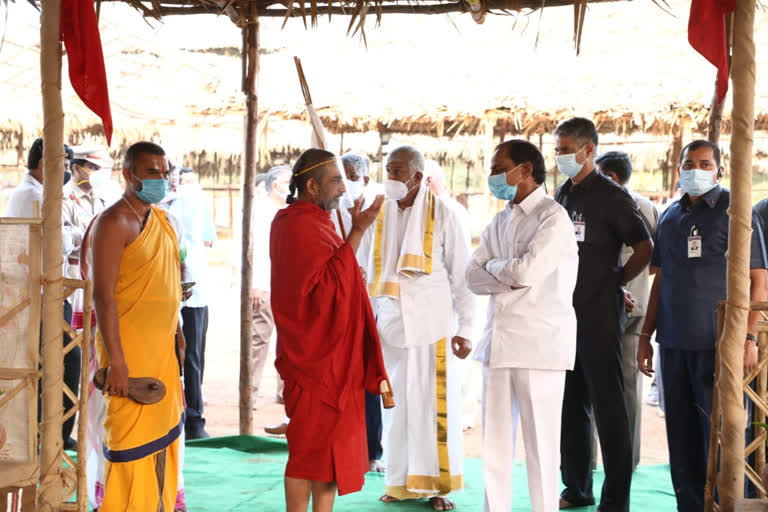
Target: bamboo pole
<point x="762" y="385"/>
<point x="51" y="491"/>
<point x="251" y="53"/>
<point x="731" y="482"/>
<point x="714" y="419"/>
<point x="715" y="122"/>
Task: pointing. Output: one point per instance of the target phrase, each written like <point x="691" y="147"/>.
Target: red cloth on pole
<point x="706" y="33"/>
<point x="80" y="33"/>
<point x="328" y="348"/>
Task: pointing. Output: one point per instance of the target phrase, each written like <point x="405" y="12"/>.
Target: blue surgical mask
<point x="568" y="165"/>
<point x="696" y="182"/>
<point x="500" y="188"/>
<point x="152" y="191"/>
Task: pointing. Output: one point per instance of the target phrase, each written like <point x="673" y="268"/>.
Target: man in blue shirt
<point x="690" y="265"/>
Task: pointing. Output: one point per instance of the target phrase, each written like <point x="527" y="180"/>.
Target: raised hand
<point x="362" y="219"/>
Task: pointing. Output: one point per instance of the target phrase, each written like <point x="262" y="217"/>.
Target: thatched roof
<point x="436" y="75"/>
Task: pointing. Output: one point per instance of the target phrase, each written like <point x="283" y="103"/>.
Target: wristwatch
<point x="752" y="338"/>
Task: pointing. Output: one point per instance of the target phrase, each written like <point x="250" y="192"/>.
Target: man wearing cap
<point x="90" y="167"/>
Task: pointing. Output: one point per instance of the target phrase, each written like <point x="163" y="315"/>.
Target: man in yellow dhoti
<point x="137" y="292"/>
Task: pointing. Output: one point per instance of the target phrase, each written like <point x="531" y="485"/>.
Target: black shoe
<point x="197" y="434"/>
<point x="70" y="444"/>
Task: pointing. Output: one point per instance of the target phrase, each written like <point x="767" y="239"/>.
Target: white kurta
<point x="527" y="262"/>
<point x="422" y="440"/>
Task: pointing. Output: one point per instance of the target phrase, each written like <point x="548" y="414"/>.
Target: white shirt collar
<point x="530" y="202"/>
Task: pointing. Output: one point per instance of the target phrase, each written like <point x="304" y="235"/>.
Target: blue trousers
<point x="688" y="386"/>
<point x="373" y="425"/>
<point x="195" y="327"/>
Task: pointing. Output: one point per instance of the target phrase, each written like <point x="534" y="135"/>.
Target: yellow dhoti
<point x="141" y="441"/>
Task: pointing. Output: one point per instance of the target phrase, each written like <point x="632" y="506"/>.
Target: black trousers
<point x="373" y="425"/>
<point x="688" y="386"/>
<point x="596" y="384"/>
<point x="72" y="367"/>
<point x="195" y="327"/>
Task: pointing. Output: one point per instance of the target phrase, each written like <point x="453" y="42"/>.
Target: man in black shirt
<point x="604" y="217"/>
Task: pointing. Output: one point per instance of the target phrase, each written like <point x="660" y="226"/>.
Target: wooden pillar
<point x="251" y="65"/>
<point x="731" y="481"/>
<point x="715" y="123"/>
<point x="51" y="490"/>
<point x="677" y="149"/>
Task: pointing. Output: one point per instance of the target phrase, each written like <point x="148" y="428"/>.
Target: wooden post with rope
<point x="731" y="343"/>
<point x="51" y="486"/>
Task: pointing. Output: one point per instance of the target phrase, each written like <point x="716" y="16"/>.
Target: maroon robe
<point x="328" y="349"/>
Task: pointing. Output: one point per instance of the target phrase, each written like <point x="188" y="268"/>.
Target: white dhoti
<point x="423" y="448"/>
<point x="535" y="397"/>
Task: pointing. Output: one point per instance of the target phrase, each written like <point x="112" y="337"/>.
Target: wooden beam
<point x="51" y="489"/>
<point x="251" y="55"/>
<point x="501" y="6"/>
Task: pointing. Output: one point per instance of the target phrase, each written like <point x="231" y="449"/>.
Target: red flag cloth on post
<point x="706" y="33"/>
<point x="80" y="33"/>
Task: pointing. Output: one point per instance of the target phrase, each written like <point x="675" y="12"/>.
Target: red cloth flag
<point x="706" y="33"/>
<point x="80" y="33"/>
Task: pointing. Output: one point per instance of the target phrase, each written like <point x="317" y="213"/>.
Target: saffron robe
<point x="328" y="350"/>
<point x="141" y="441"/>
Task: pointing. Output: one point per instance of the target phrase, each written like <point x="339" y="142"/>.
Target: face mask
<point x="396" y="190"/>
<point x="696" y="182"/>
<point x="355" y="188"/>
<point x="152" y="191"/>
<point x="500" y="188"/>
<point x="568" y="165"/>
<point x="100" y="179"/>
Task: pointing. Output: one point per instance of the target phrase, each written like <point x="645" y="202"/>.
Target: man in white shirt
<point x="617" y="166"/>
<point x="276" y="183"/>
<point x="527" y="263"/>
<point x="26" y="202"/>
<point x="190" y="207"/>
<point x="424" y="316"/>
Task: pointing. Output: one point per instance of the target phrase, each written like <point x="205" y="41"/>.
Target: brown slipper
<point x="142" y="390"/>
<point x="388" y="499"/>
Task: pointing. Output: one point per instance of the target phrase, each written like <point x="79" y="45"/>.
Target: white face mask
<point x="355" y="188"/>
<point x="568" y="165"/>
<point x="100" y="179"/>
<point x="697" y="182"/>
<point x="396" y="190"/>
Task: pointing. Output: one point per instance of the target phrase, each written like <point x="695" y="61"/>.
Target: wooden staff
<point x="317" y="127"/>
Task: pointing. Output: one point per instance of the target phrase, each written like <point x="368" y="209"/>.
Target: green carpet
<point x="243" y="473"/>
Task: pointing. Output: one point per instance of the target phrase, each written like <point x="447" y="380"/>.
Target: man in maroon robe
<point x="328" y="350"/>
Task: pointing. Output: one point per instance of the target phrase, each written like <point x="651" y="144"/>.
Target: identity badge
<point x="579" y="226"/>
<point x="694" y="243"/>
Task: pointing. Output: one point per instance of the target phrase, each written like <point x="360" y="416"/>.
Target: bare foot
<point x="565" y="503"/>
<point x="277" y="430"/>
<point x="375" y="466"/>
<point x="388" y="499"/>
<point x="440" y="503"/>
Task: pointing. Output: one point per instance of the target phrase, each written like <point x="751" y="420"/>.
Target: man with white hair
<point x="356" y="171"/>
<point x="424" y="317"/>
